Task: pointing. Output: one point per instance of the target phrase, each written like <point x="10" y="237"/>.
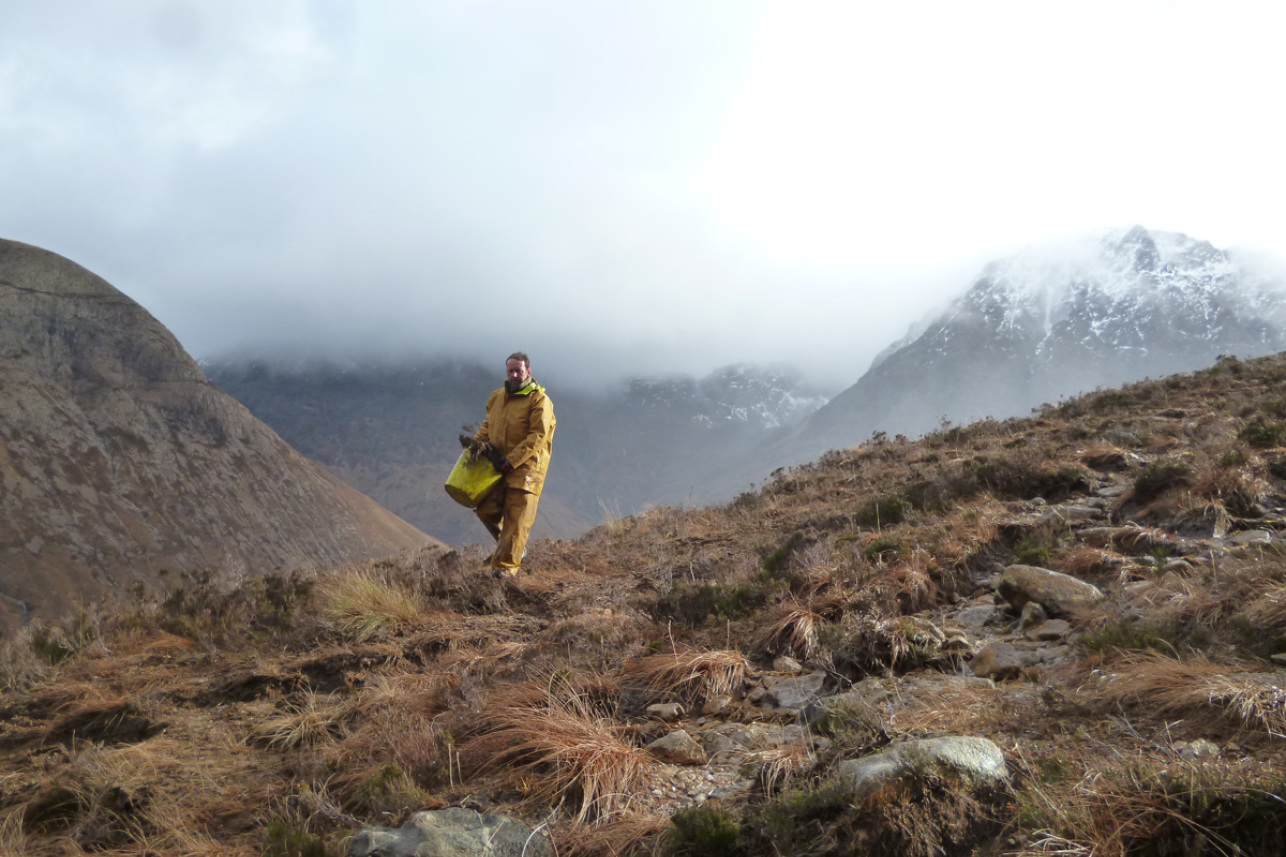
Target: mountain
<point x="391" y="429"/>
<point x="120" y="463"/>
<point x="1048" y="323"/>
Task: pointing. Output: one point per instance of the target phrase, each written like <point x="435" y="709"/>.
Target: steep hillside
<point x="1062" y="635"/>
<point x="390" y="430"/>
<point x="120" y="463"/>
<point x="1057" y="321"/>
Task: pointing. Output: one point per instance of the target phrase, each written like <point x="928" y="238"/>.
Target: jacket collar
<point x="527" y="387"/>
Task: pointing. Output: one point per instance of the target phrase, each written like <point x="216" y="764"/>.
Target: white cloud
<point x="694" y="182"/>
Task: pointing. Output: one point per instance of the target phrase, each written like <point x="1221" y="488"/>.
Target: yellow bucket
<point x="471" y="479"/>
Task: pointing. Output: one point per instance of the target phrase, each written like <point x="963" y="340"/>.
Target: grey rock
<point x="678" y="748"/>
<point x="1060" y="594"/>
<point x="998" y="661"/>
<point x="787" y="664"/>
<point x="716" y="743"/>
<point x="1032" y="614"/>
<point x="1251" y="537"/>
<point x="977" y="761"/>
<point x="1054" y="629"/>
<point x="716" y="705"/>
<point x="1072" y="514"/>
<point x="794" y="693"/>
<point x="976" y="617"/>
<point x="1198" y="749"/>
<point x="667" y="711"/>
<point x="864" y="699"/>
<point x="454" y="832"/>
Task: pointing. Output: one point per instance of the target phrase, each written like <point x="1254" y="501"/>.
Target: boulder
<point x="976" y="761"/>
<point x="667" y="711"/>
<point x="455" y="832"/>
<point x="998" y="661"/>
<point x="795" y="692"/>
<point x="678" y="748"/>
<point x="1060" y="594"/>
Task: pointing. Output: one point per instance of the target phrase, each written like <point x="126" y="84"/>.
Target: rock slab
<point x="455" y="832"/>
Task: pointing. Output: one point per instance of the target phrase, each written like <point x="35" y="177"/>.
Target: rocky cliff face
<point x="1053" y="322"/>
<point x="120" y="463"/>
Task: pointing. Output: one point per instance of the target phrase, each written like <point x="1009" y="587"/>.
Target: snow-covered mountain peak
<point x="1044" y="283"/>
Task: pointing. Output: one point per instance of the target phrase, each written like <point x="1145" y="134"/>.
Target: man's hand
<point x="504" y="466"/>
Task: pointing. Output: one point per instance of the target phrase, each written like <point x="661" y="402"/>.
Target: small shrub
<point x="702" y="831"/>
<point x="885" y="548"/>
<point x="1160" y="476"/>
<point x="883" y="511"/>
<point x="1263" y="433"/>
<point x="1033" y="551"/>
<point x="285" y="840"/>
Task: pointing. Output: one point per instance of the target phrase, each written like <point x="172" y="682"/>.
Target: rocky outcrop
<point x="120" y="464"/>
<point x="1059" y="594"/>
<point x="976" y="761"/>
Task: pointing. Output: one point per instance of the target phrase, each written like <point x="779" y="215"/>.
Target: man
<point x="520" y="428"/>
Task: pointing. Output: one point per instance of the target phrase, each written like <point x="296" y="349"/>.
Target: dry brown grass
<point x="622" y="834"/>
<point x="365" y="605"/>
<point x="310" y="720"/>
<point x="792" y="631"/>
<point x="1266" y="609"/>
<point x="562" y="750"/>
<point x="1142" y="806"/>
<point x="1196" y="686"/>
<point x="691" y="673"/>
<point x="780" y="768"/>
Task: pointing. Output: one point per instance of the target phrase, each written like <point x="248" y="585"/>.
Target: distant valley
<point x="1037" y="327"/>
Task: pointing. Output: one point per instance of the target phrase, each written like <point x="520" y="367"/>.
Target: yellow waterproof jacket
<point x="521" y="426"/>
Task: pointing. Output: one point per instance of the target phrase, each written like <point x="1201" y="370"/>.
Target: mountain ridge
<point x="1046" y="323"/>
<point x="121" y="463"/>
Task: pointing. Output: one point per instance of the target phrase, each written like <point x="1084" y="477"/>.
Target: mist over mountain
<point x="121" y="464"/>
<point x="1048" y="323"/>
<point x="391" y="430"/>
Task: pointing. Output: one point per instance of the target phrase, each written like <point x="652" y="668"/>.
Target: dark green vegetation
<point x="251" y="715"/>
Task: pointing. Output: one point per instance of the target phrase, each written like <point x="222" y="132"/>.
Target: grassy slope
<point x="279" y="715"/>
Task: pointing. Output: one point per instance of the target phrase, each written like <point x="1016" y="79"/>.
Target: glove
<point x="489" y="452"/>
<point x="498" y="460"/>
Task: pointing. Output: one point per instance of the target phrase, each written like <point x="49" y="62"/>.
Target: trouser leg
<point x="519" y="515"/>
<point x="491" y="511"/>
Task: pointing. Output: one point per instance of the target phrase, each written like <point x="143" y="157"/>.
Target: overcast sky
<point x="618" y="187"/>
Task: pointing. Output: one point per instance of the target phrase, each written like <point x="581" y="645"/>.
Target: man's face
<point x="517" y="372"/>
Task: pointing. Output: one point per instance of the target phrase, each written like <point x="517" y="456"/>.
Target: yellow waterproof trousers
<point x="508" y="514"/>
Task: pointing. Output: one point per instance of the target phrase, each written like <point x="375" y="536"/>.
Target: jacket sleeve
<point x="540" y="431"/>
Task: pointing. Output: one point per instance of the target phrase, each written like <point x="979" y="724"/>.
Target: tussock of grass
<point x="691" y="673"/>
<point x="623" y="834"/>
<point x="365" y="605"/>
<point x="1196" y="685"/>
<point x="1145" y="808"/>
<point x="311" y="720"/>
<point x="793" y="632"/>
<point x="560" y="752"/>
